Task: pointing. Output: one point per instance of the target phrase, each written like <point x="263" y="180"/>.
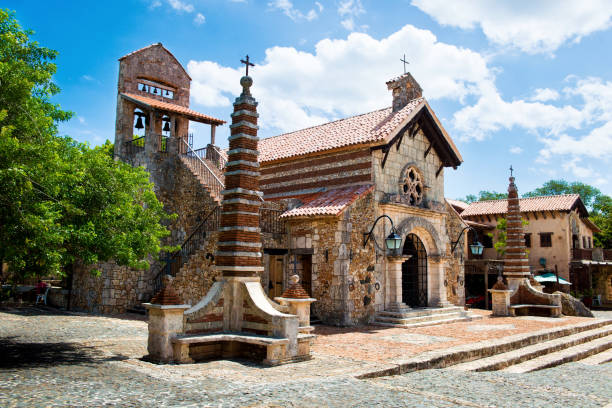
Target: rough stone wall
<point x="116" y="289"/>
<point x="343" y="279"/>
<point x="198" y="274"/>
<point x="455" y="269"/>
<point x="312" y="174"/>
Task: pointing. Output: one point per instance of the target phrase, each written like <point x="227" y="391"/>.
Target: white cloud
<point x="516" y="150"/>
<point x="342" y="77"/>
<point x="199" y="19"/>
<point x="349" y="10"/>
<point x="155" y="4"/>
<point x="286" y="6"/>
<point x="88" y="78"/>
<point x="544" y="95"/>
<point x="81" y="120"/>
<point x="533" y="27"/>
<point x="179" y="5"/>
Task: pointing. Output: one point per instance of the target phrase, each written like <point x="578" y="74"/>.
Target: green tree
<point x="483" y="196"/>
<point x="61" y="200"/>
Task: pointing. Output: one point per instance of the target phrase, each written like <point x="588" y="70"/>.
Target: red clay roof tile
<point x="330" y="202"/>
<point x="171" y="107"/>
<point x="564" y="202"/>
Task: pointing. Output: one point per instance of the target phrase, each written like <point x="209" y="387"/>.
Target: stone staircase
<point x="588" y="342"/>
<point x="430" y="316"/>
<point x="558" y="348"/>
<point x="207" y="174"/>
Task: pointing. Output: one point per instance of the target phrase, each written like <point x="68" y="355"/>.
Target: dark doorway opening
<point x="414" y="273"/>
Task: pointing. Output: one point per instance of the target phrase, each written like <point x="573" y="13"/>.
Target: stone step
<point x="420" y="312"/>
<point x="599" y="358"/>
<point x="567" y="355"/>
<point x="440" y="320"/>
<point x="522" y="354"/>
<point x="482" y="349"/>
<point x="417" y="319"/>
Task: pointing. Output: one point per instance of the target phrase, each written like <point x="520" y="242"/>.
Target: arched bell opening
<point x="139" y="125"/>
<point x="414" y="272"/>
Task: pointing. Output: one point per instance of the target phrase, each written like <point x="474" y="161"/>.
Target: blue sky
<point x="528" y="86"/>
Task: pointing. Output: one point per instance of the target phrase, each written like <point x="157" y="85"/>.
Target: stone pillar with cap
<point x="165" y="321"/>
<point x="299" y="302"/>
<point x="394" y="283"/>
<point x="500" y="298"/>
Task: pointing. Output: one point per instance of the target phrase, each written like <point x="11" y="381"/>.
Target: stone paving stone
<point x="81" y="360"/>
<point x="490" y="327"/>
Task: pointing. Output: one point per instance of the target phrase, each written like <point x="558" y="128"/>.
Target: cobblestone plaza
<point x="56" y="359"/>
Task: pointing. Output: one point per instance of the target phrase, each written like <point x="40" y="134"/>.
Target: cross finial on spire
<point x="405" y="62"/>
<point x="247" y="63"/>
<point x="511" y="170"/>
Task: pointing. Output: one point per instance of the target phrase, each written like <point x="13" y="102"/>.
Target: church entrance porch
<point x="414" y="272"/>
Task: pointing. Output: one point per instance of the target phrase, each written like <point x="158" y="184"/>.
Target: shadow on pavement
<point x="16" y="354"/>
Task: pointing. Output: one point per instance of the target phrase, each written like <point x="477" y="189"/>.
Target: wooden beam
<point x="399" y="141"/>
<point x="427" y="151"/>
<point x="552" y="215"/>
<point x="384" y="160"/>
<point x="488" y="218"/>
<point x="415" y="129"/>
<point x="439" y="170"/>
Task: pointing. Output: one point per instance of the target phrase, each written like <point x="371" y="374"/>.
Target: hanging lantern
<point x="166" y="126"/>
<point x="139" y="124"/>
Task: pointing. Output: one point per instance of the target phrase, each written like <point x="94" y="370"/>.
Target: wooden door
<point x="306" y="261"/>
<point x="276" y="276"/>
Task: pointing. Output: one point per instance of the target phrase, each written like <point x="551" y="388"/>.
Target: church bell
<point x="166" y="126"/>
<point x="139" y="124"/>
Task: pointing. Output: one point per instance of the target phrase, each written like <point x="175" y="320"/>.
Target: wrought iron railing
<point x="207" y="175"/>
<point x="135" y="145"/>
<point x="172" y="263"/>
<point x="591" y="254"/>
<point x="270" y="221"/>
<point x="211" y="154"/>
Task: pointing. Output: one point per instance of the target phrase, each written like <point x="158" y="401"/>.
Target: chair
<point x="43" y="296"/>
<point x="597" y="300"/>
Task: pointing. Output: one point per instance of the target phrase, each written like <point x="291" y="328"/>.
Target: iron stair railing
<point x="209" y="178"/>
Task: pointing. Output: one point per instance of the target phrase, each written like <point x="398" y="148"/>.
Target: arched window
<point x="412" y="186"/>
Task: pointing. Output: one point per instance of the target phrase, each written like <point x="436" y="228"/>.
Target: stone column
<point x="500" y="300"/>
<point x="436" y="285"/>
<point x="165" y="323"/>
<point x="394" y="283"/>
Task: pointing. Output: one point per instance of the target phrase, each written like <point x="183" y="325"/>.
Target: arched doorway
<point x="414" y="273"/>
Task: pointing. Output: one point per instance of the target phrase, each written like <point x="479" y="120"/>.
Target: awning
<point x="550" y="277"/>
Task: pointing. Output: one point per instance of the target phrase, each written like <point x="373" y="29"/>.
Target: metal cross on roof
<point x="247" y="63"/>
<point x="511" y="170"/>
<point x="405" y="62"/>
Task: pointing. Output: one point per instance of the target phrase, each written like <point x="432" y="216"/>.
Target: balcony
<point x="591" y="254"/>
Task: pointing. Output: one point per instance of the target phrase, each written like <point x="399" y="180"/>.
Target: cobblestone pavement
<point x="56" y="359"/>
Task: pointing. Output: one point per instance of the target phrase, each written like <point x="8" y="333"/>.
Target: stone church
<point x="324" y="189"/>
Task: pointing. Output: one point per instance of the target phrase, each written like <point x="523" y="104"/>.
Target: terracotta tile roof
<point x="330" y="202"/>
<point x="368" y="128"/>
<point x="171" y="107"/>
<point x="156" y="45"/>
<point x="565" y="202"/>
<point x="295" y="291"/>
<point x="458" y="205"/>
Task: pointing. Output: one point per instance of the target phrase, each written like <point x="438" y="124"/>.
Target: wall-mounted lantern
<point x="393" y="242"/>
<point x="475" y="248"/>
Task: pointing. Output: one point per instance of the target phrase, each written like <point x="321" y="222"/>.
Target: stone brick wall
<point x="116" y="289"/>
<point x="411" y="153"/>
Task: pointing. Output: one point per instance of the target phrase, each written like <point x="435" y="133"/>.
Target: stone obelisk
<point x="516" y="264"/>
<point x="239" y="250"/>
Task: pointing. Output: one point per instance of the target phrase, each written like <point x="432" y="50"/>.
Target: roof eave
<point x="212" y="121"/>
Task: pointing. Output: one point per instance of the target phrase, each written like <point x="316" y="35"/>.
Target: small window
<point x="487" y="241"/>
<point x="528" y="240"/>
<point x="584" y="243"/>
<point x="590" y="243"/>
<point x="546" y="239"/>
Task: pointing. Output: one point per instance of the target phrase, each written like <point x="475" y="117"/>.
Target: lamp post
<point x="393" y="242"/>
<point x="475" y="248"/>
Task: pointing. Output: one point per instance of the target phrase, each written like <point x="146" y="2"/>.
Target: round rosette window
<point x="413" y="186"/>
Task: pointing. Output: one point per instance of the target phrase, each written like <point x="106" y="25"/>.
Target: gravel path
<point x="59" y="359"/>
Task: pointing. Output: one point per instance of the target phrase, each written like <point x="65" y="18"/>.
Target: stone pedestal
<point x="300" y="308"/>
<point x="165" y="323"/>
<point x="500" y="300"/>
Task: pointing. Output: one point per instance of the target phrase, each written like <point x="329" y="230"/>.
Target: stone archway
<point x="435" y="266"/>
<point x="414" y="272"/>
